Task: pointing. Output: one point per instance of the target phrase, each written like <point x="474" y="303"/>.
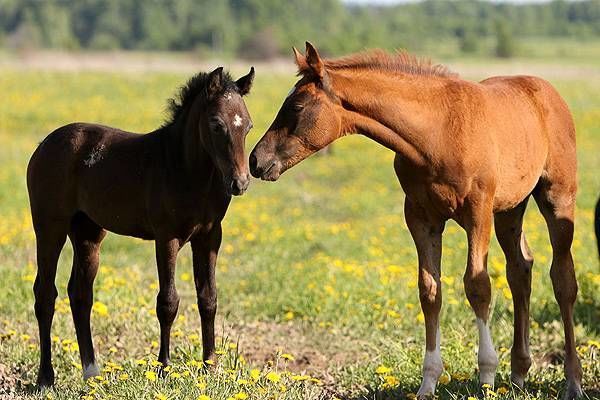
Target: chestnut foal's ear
<point x="215" y="82"/>
<point x="245" y="82"/>
<point x="314" y="61"/>
<point x="300" y="60"/>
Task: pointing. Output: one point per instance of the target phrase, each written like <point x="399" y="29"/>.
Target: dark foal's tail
<point x="597" y="225"/>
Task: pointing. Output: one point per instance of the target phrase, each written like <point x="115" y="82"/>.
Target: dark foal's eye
<point x="217" y="125"/>
<point x="298" y="106"/>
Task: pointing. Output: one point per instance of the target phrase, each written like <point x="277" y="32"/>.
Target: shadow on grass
<point x="586" y="313"/>
<point x="465" y="389"/>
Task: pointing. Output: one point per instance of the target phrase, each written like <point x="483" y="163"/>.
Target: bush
<point x="505" y="47"/>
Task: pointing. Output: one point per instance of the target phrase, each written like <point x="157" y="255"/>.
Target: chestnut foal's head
<point x="224" y="126"/>
<point x="308" y="120"/>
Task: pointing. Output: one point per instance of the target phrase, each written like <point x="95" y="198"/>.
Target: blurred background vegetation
<point x="264" y="29"/>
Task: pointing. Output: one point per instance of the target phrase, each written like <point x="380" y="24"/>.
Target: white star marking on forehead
<point x="237" y="120"/>
<point x="227" y="96"/>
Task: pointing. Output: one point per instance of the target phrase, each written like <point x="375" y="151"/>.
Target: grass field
<point x="317" y="273"/>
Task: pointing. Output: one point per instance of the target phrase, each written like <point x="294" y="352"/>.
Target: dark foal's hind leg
<point x="205" y="249"/>
<point x="519" y="262"/>
<point x="556" y="201"/>
<point x="86" y="236"/>
<point x="51" y="234"/>
<point x="167" y="301"/>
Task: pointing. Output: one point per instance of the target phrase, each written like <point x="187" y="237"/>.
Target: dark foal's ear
<point x="215" y="82"/>
<point x="314" y="61"/>
<point x="245" y="82"/>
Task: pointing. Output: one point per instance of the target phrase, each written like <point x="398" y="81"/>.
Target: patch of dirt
<point x="316" y="351"/>
<point x="9" y="382"/>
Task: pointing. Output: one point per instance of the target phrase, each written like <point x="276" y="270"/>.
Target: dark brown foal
<point x="172" y="186"/>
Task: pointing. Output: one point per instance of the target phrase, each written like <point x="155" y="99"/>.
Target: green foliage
<point x="243" y="27"/>
<point x="505" y="46"/>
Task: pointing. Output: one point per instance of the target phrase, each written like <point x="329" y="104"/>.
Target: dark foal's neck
<point x="184" y="152"/>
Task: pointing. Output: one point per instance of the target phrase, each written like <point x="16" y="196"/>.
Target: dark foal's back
<point x="129" y="184"/>
<point x="172" y="185"/>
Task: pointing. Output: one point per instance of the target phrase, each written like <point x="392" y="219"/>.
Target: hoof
<point x="45" y="380"/>
<point x="90" y="371"/>
<point x="517" y="380"/>
<point x="573" y="391"/>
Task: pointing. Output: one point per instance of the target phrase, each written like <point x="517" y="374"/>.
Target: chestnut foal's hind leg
<point x="205" y="249"/>
<point x="50" y="238"/>
<point x="556" y="201"/>
<point x="426" y="231"/>
<point x="167" y="301"/>
<point x="478" y="224"/>
<point x="86" y="237"/>
<point x="519" y="262"/>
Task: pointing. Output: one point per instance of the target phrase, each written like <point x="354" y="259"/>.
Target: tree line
<point x="266" y="28"/>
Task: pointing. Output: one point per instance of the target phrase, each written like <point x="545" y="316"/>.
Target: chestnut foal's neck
<point x="398" y="111"/>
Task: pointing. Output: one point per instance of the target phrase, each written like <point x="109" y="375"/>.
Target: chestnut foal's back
<point x="172" y="186"/>
<point x="472" y="152"/>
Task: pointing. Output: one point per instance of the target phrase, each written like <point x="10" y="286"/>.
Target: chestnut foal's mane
<point x="399" y="61"/>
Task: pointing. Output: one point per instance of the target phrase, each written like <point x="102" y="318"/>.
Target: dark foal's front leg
<point x="167" y="301"/>
<point x="205" y="249"/>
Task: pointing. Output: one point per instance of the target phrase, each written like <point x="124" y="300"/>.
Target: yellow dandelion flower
<point x="391" y="381"/>
<point x="287" y="356"/>
<point x="123" y="377"/>
<point x="288" y="316"/>
<point x="254" y="374"/>
<point x="150" y="375"/>
<point x="240" y="396"/>
<point x="160" y="396"/>
<point x="273" y="376"/>
<point x="445" y="379"/>
<point x="502" y="390"/>
<point x="100" y="308"/>
<point x="382" y="370"/>
<point x="203" y="397"/>
<point x="141" y="362"/>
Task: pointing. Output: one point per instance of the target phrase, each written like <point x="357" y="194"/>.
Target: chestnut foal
<point x="172" y="186"/>
<point x="471" y="152"/>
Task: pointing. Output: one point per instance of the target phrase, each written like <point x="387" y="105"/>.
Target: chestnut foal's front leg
<point x="478" y="224"/>
<point x="426" y="231"/>
<point x="205" y="249"/>
<point x="167" y="301"/>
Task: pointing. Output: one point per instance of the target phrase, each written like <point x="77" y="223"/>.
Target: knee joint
<point x="207" y="304"/>
<point x="167" y="305"/>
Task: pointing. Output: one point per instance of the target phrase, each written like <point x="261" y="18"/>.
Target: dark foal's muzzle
<point x="238" y="184"/>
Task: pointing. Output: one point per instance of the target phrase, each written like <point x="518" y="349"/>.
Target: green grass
<point x="319" y="265"/>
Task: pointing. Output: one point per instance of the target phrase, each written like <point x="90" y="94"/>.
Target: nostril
<point x="253" y="162"/>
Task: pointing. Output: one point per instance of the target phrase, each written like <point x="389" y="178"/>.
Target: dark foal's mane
<point x="399" y="61"/>
<point x="194" y="87"/>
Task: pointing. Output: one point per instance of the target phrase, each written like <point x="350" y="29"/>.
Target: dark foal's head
<point x="308" y="120"/>
<point x="222" y="124"/>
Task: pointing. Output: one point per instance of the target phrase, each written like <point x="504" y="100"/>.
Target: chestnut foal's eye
<point x="298" y="107"/>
